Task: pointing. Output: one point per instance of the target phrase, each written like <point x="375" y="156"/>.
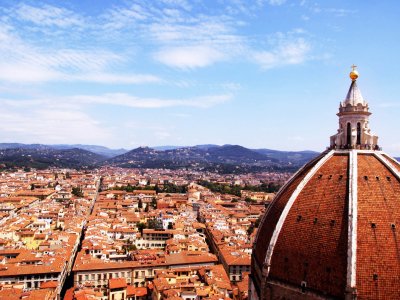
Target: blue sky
<point x="259" y="73"/>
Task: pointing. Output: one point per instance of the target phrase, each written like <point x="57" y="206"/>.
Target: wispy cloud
<point x="178" y="3"/>
<point x="22" y="62"/>
<point x="67" y="119"/>
<point x="285" y="49"/>
<point x="132" y="101"/>
<point x="340" y="12"/>
<point x="118" y="99"/>
<point x="170" y="32"/>
<point x="48" y="15"/>
<point x="50" y="126"/>
<point x="276" y="2"/>
<point x="183" y="39"/>
<point x="189" y="57"/>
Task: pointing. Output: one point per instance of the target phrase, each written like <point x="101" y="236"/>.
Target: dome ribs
<point x="331" y="231"/>
<point x="275" y="209"/>
<point x="378" y="275"/>
<point x="314" y="249"/>
<point x="394" y="163"/>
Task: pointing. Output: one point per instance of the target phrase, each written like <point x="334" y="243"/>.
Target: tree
<point x="129" y="247"/>
<point x="154" y="202"/>
<point x="77" y="191"/>
<point x="154" y="223"/>
<point x="250" y="229"/>
<point x="249" y="200"/>
<point x="141" y="226"/>
<point x="140" y="204"/>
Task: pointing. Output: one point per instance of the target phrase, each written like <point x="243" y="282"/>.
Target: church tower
<point x="354" y="131"/>
<point x="332" y="231"/>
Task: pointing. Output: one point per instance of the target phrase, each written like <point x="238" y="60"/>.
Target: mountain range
<point x="222" y="159"/>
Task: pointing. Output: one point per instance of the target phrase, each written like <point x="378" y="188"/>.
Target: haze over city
<point x="262" y="74"/>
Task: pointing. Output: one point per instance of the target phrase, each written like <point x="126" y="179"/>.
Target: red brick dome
<point x="333" y="231"/>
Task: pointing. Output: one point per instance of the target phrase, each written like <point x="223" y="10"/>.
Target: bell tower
<point x="354" y="131"/>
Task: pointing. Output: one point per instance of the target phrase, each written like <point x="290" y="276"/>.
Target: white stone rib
<point x="283" y="188"/>
<point x="285" y="212"/>
<point x="352" y="222"/>
<point x="388" y="164"/>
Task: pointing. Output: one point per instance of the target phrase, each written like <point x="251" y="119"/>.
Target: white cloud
<point x="182" y="39"/>
<point x="77" y="102"/>
<point x="132" y="101"/>
<point x="189" y="56"/>
<point x="22" y="62"/>
<point x="50" y="126"/>
<point x="305" y="17"/>
<point x="276" y="2"/>
<point x="178" y="3"/>
<point x="122" y="17"/>
<point x="48" y="15"/>
<point x="68" y="120"/>
<point x="109" y="78"/>
<point x="287" y="50"/>
<point x="340" y="12"/>
<point x="197" y="45"/>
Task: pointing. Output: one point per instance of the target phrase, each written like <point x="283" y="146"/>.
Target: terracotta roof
<point x="117" y="283"/>
<point x="49" y="285"/>
<point x="313" y="242"/>
<point x="136" y="291"/>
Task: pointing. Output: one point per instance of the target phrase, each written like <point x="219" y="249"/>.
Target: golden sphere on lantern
<point x="354" y="73"/>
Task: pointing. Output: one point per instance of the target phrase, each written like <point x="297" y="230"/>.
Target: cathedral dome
<point x="332" y="230"/>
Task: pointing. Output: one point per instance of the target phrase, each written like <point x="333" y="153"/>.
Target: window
<point x="358" y="133"/>
<point x="348" y="134"/>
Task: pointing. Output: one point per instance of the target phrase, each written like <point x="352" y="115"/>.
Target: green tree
<point x="141" y="226"/>
<point x="154" y="223"/>
<point x="77" y="191"/>
<point x="250" y="229"/>
<point x="140" y="204"/>
<point x="249" y="200"/>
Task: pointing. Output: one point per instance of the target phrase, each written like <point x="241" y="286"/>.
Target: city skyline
<point x="262" y="74"/>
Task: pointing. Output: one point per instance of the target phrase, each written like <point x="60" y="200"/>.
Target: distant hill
<point x="95" y="149"/>
<point x="214" y="158"/>
<point x="101" y="150"/>
<point x="296" y="157"/>
<point x="225" y="159"/>
<point x="42" y="158"/>
<point x="163" y="148"/>
<point x="204" y="147"/>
